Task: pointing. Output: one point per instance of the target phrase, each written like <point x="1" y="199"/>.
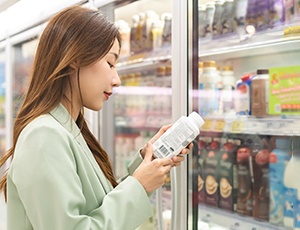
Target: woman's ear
<point x="74" y="65"/>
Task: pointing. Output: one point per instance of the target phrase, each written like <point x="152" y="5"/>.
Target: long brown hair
<point x="74" y="35"/>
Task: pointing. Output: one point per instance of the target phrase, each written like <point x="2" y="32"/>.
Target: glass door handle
<point x="159" y="214"/>
<point x="174" y="198"/>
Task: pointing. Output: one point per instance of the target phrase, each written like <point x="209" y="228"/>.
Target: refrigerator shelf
<point x="251" y="125"/>
<point x="222" y="49"/>
<point x="143" y="60"/>
<point x="233" y="221"/>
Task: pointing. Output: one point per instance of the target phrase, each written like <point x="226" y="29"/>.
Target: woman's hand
<point x="176" y="161"/>
<point x="152" y="173"/>
<point x="179" y="158"/>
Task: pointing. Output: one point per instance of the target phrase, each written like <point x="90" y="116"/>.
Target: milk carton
<point x="277" y="163"/>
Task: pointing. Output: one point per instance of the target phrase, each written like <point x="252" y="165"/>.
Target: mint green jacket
<point x="54" y="183"/>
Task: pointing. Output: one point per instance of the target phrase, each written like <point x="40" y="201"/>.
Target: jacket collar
<point x="61" y="114"/>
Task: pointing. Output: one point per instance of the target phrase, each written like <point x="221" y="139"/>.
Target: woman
<point x="60" y="177"/>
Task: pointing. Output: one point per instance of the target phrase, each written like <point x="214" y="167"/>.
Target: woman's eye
<point x="110" y="65"/>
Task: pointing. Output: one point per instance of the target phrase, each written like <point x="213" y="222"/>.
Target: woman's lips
<point x="107" y="95"/>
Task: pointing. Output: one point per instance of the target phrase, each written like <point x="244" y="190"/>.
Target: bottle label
<point x="289" y="197"/>
<point x="242" y="99"/>
<point x="278" y="159"/>
<point x="208" y="98"/>
<point x="259" y="97"/>
<point x="175" y="139"/>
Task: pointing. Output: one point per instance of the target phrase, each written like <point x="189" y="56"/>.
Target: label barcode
<point x="163" y="149"/>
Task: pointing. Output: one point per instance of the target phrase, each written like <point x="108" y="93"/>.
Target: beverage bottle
<point x="244" y="172"/>
<point x="242" y="102"/>
<point x="263" y="15"/>
<point x="217" y="19"/>
<point x="201" y="18"/>
<point x="155" y="37"/>
<point x="240" y="18"/>
<point x="251" y="14"/>
<point x="168" y="77"/>
<point x="227" y="92"/>
<point x="150" y="17"/>
<point x="292" y="188"/>
<point x="296" y="10"/>
<point x="277" y="162"/>
<point x="211" y="171"/>
<point x="277" y="12"/>
<point x="228" y="177"/>
<point x="208" y="89"/>
<point x="160" y="74"/>
<point x="228" y="16"/>
<point x="133" y="33"/>
<point x="260" y="159"/>
<point x="219" y="78"/>
<point x="139" y="33"/>
<point x="167" y="30"/>
<point x="178" y="136"/>
<point x="259" y="93"/>
<point x="210" y="12"/>
<point x="125" y="35"/>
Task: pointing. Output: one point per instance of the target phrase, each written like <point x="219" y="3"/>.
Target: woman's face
<point x="97" y="80"/>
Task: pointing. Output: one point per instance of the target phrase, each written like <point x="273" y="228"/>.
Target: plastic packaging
<point x="182" y="132"/>
<point x="259" y="93"/>
<point x="242" y="101"/>
<point x="292" y="190"/>
<point x="227" y="93"/>
<point x="208" y="89"/>
<point x="278" y="160"/>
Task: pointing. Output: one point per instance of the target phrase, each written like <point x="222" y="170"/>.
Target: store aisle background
<point x="2" y="213"/>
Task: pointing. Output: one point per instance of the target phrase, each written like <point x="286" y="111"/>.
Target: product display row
<point x="263" y="93"/>
<point x="251" y="175"/>
<point x="243" y="18"/>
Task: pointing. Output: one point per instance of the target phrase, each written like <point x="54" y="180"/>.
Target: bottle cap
<point x="208" y="64"/>
<point x="200" y="64"/>
<point x="168" y="70"/>
<point x="197" y="119"/>
<point x="262" y="71"/>
<point x="246" y="77"/>
<point x="227" y="68"/>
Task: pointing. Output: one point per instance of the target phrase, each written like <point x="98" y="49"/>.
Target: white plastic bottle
<point x="181" y="133"/>
<point x="227" y="93"/>
<point x="208" y="89"/>
<point x="292" y="190"/>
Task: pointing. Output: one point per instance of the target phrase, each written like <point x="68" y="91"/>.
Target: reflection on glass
<point x="2" y="133"/>
<point x="142" y="105"/>
<point x="23" y="59"/>
<point x="2" y="102"/>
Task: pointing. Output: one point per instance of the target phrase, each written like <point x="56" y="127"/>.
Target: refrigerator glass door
<point x="23" y="54"/>
<point x="2" y="133"/>
<point x="247" y="86"/>
<point x="142" y="104"/>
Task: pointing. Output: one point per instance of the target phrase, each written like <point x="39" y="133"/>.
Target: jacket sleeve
<point x="44" y="176"/>
<point x="134" y="163"/>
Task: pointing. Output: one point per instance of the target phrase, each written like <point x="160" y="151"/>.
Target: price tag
<point x="219" y="126"/>
<point x="207" y="125"/>
<point x="237" y="126"/>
